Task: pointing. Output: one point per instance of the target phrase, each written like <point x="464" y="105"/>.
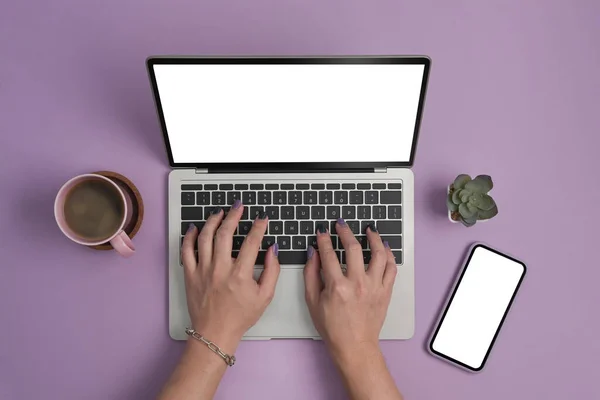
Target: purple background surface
<point x="514" y="93"/>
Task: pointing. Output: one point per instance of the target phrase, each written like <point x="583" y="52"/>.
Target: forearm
<point x="197" y="375"/>
<point x="365" y="374"/>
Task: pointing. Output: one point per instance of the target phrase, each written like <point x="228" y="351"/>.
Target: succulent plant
<point x="468" y="200"/>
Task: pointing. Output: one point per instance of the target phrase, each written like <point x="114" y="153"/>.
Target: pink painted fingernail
<point x="309" y="252"/>
<point x="237" y="204"/>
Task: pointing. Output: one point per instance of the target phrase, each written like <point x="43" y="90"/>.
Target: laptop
<point x="307" y="140"/>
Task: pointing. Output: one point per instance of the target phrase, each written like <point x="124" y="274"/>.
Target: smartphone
<point x="474" y="314"/>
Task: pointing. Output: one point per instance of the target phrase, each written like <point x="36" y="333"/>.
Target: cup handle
<point x="123" y="244"/>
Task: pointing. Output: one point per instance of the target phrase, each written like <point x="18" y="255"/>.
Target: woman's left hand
<point x="223" y="298"/>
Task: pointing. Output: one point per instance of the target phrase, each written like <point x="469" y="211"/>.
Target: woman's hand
<point x="223" y="299"/>
<point x="349" y="310"/>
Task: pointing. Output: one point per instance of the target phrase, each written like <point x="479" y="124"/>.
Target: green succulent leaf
<point x="486" y="203"/>
<point x="487" y="214"/>
<point x="468" y="222"/>
<point x="481" y="184"/>
<point x="456" y="196"/>
<point x="464" y="195"/>
<point x="461" y="180"/>
<point x="450" y="204"/>
<point x="467" y="211"/>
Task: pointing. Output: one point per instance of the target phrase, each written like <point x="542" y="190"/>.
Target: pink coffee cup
<point x="119" y="239"/>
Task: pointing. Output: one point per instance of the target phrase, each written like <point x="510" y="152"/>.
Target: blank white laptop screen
<point x="476" y="311"/>
<point x="236" y="113"/>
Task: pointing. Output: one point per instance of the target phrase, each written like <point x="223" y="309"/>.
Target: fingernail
<point x="276" y="249"/>
<point x="321" y="228"/>
<point x="341" y="221"/>
<point x="386" y="244"/>
<point x="309" y="252"/>
<point x="216" y="211"/>
<point x="191" y="227"/>
<point x="237" y="204"/>
<point x="373" y="228"/>
<point x="262" y="215"/>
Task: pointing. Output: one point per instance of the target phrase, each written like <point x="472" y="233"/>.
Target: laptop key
<point x="264" y="197"/>
<point x="356" y="197"/>
<point x="295" y="197"/>
<point x="191" y="187"/>
<point x="333" y="212"/>
<point x="365" y="224"/>
<point x="391" y="197"/>
<point x="225" y="186"/>
<point x="394" y="212"/>
<point x="245" y="213"/>
<point x="237" y="242"/>
<point x="348" y="186"/>
<point x="241" y="186"/>
<point x="287" y="186"/>
<point x="341" y="197"/>
<point x="203" y="198"/>
<point x="287" y="212"/>
<point x="210" y="186"/>
<point x="379" y="212"/>
<point x="244" y="227"/>
<point x="218" y="198"/>
<point x="188" y="198"/>
<point x="349" y="212"/>
<point x="276" y="227"/>
<point x="379" y="186"/>
<point x="249" y="198"/>
<point x="267" y="242"/>
<point x="302" y="212"/>
<point x="184" y="226"/>
<point x="310" y="197"/>
<point x="394" y="186"/>
<point x="272" y="186"/>
<point x="191" y="213"/>
<point x="354" y="226"/>
<point x="299" y="242"/>
<point x="280" y="198"/>
<point x="389" y="227"/>
<point x="233" y="196"/>
<point x="291" y="227"/>
<point x="257" y="186"/>
<point x="260" y="259"/>
<point x="272" y="212"/>
<point x="394" y="241"/>
<point x="284" y="242"/>
<point x="398" y="255"/>
<point x="363" y="240"/>
<point x="235" y="254"/>
<point x="292" y="257"/>
<point x="208" y="211"/>
<point x="302" y="186"/>
<point x="366" y="257"/>
<point x="371" y="197"/>
<point x="317" y="186"/>
<point x="325" y="197"/>
<point x="307" y="228"/>
<point x="363" y="186"/>
<point x="254" y="211"/>
<point x="312" y="241"/>
<point x="364" y="212"/>
<point x="317" y="212"/>
<point x="333" y="186"/>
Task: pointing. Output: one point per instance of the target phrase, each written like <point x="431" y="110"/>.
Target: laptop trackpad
<point x="287" y="316"/>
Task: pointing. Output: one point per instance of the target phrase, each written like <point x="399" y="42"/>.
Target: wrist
<point x="226" y="340"/>
<point x="349" y="358"/>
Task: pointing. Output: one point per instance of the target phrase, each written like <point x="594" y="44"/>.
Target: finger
<point x="187" y="249"/>
<point x="207" y="235"/>
<point x="251" y="246"/>
<point x="391" y="270"/>
<point x="224" y="236"/>
<point x="312" y="277"/>
<point x="268" y="278"/>
<point x="329" y="261"/>
<point x="355" y="265"/>
<point x="378" y="253"/>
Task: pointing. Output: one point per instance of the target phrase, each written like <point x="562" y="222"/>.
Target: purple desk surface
<point x="514" y="93"/>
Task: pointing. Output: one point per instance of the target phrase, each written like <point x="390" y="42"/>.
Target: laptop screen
<point x="289" y="113"/>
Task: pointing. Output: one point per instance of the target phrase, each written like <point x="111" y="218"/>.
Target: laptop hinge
<point x="202" y="170"/>
<point x="380" y="170"/>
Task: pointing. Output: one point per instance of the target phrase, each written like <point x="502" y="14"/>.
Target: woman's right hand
<point x="349" y="310"/>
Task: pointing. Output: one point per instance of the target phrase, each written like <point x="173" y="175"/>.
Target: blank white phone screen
<point x="233" y="113"/>
<point x="475" y="313"/>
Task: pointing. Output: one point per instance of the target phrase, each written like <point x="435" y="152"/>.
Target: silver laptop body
<point x="306" y="139"/>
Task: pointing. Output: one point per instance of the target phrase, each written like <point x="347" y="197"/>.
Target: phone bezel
<point x="451" y="297"/>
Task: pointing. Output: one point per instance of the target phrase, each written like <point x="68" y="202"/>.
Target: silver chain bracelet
<point x="229" y="360"/>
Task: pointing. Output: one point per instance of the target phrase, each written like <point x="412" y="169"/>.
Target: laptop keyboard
<point x="296" y="209"/>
